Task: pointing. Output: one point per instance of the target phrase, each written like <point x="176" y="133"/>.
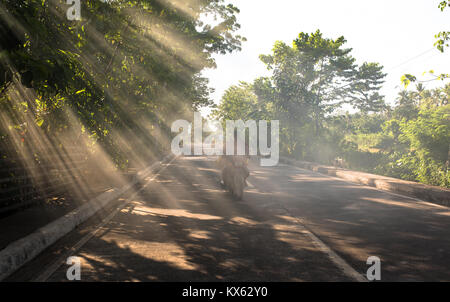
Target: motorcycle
<point x="234" y="177"/>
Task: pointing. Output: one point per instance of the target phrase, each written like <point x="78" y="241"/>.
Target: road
<point x="292" y="225"/>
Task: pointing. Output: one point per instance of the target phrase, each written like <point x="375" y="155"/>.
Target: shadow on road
<point x="184" y="227"/>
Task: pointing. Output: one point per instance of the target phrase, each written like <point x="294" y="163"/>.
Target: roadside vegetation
<point x="116" y="78"/>
<point x="95" y="96"/>
<point x="331" y="111"/>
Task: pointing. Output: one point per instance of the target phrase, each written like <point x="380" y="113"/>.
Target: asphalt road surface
<point x="292" y="225"/>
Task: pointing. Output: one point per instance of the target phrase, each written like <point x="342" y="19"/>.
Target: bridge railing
<point x="24" y="181"/>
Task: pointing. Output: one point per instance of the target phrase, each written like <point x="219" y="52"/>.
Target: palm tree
<point x="404" y="98"/>
<point x="418" y="94"/>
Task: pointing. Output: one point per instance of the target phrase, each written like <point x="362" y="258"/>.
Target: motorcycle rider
<point x="231" y="162"/>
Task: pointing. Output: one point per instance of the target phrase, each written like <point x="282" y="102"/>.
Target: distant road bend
<point x="292" y="225"/>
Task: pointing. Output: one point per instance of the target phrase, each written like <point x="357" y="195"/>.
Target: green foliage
<point x="407" y="79"/>
<point x="429" y="140"/>
<point x="363" y="90"/>
<point x="444" y="36"/>
<point x="238" y="102"/>
<point x="409" y="141"/>
<point x="317" y="75"/>
<point x="310" y="80"/>
<point x="126" y="67"/>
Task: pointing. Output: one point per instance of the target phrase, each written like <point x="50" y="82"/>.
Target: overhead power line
<point x="411" y="59"/>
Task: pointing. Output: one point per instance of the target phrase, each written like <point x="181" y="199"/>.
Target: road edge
<point x="433" y="194"/>
<point x="21" y="251"/>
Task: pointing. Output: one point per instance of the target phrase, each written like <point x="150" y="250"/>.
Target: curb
<point x="424" y="192"/>
<point x="25" y="249"/>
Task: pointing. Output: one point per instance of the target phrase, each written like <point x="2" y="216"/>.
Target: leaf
<point x="407" y="79"/>
<point x="40" y="122"/>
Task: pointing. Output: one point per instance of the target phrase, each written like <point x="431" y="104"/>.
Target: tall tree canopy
<point x="317" y="75"/>
<point x="124" y="68"/>
<point x="310" y="81"/>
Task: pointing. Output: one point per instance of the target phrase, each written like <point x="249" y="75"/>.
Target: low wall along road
<point x="428" y="193"/>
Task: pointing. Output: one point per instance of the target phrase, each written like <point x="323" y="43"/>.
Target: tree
<point x="363" y="92"/>
<point x="429" y="137"/>
<point x="238" y="103"/>
<point x="406" y="105"/>
<point x="317" y="75"/>
<point x="125" y="68"/>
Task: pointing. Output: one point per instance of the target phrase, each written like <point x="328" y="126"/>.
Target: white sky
<point x="391" y="32"/>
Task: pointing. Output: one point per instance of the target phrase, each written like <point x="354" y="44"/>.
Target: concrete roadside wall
<point x="428" y="193"/>
<point x="23" y="250"/>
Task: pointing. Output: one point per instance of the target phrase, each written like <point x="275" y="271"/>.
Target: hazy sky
<point x="397" y="34"/>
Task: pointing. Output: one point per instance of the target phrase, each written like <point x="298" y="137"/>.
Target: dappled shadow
<point x="184" y="227"/>
<point x="410" y="236"/>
